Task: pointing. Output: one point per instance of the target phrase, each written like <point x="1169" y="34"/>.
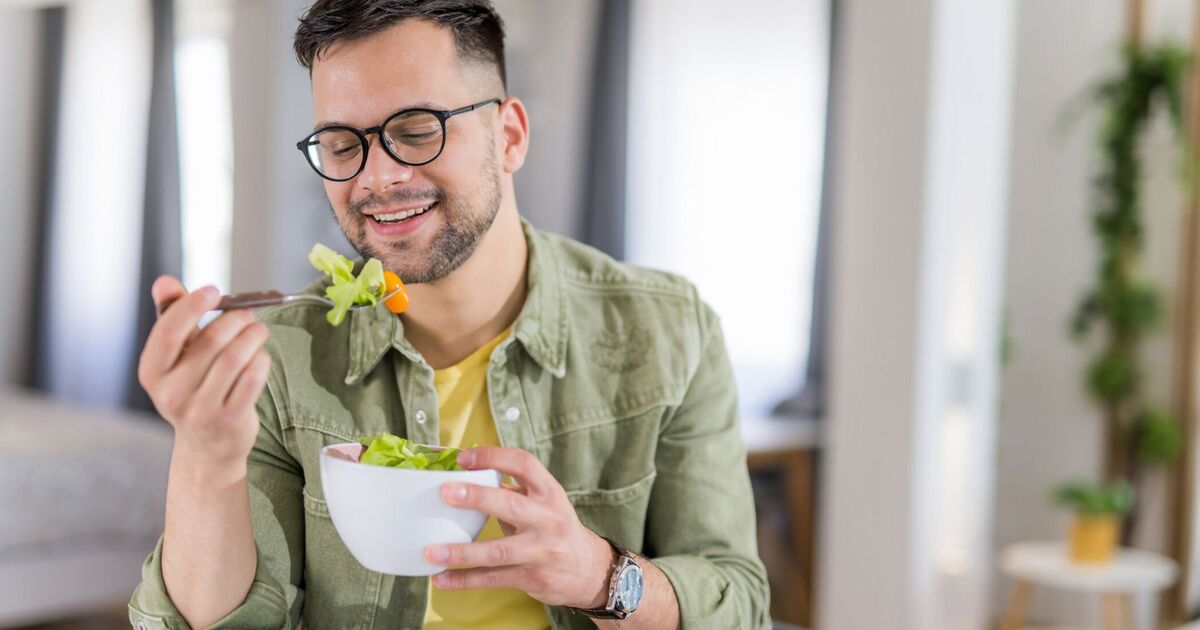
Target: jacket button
<point x="421" y="417"/>
<point x="512" y="414"/>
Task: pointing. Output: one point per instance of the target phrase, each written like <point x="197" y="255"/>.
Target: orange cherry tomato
<point x="397" y="303"/>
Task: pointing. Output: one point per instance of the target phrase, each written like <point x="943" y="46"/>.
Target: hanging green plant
<point x="1122" y="307"/>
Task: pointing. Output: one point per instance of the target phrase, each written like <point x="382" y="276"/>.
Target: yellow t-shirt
<point x="465" y="420"/>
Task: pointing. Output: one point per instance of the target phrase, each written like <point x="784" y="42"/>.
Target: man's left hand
<point x="546" y="551"/>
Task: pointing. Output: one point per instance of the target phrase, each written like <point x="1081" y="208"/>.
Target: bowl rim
<point x="324" y="456"/>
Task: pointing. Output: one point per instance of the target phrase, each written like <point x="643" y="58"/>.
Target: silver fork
<point x="259" y="299"/>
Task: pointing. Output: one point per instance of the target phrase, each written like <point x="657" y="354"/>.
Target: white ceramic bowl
<point x="388" y="516"/>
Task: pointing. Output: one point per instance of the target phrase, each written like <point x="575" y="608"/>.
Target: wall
<point x="873" y="323"/>
<point x="279" y="204"/>
<point x="919" y="203"/>
<point x="550" y="50"/>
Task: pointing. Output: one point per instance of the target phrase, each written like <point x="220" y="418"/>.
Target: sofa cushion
<point x="72" y="477"/>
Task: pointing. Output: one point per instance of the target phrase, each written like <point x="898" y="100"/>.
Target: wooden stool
<point x="1131" y="572"/>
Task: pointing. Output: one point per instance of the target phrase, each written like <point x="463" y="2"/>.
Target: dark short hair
<point x="477" y="28"/>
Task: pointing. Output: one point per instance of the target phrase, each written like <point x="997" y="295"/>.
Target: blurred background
<point x="897" y="209"/>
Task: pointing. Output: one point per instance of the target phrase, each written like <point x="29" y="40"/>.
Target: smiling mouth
<point x="402" y="216"/>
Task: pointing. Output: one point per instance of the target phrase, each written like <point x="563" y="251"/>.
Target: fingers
<point x="205" y="382"/>
<point x="519" y="464"/>
<point x="501" y="552"/>
<point x="229" y="364"/>
<point x="165" y="290"/>
<point x="507" y="577"/>
<point x="204" y="346"/>
<point x="505" y="505"/>
<point x="250" y="382"/>
<point x="173" y="329"/>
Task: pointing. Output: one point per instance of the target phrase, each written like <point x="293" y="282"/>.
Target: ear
<point x="514" y="134"/>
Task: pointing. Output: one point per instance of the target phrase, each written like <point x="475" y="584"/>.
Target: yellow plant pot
<point x="1093" y="538"/>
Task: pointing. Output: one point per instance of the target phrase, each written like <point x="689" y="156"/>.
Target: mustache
<point x="402" y="195"/>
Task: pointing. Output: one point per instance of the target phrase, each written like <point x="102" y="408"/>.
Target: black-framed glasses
<point x="414" y="137"/>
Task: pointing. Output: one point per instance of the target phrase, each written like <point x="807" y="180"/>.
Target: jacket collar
<point x="541" y="326"/>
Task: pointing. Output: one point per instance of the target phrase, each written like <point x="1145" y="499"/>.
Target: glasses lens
<point x="414" y="137"/>
<point x="335" y="153"/>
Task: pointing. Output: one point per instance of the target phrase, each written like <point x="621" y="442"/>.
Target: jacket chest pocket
<point x="618" y="513"/>
<point x="608" y="471"/>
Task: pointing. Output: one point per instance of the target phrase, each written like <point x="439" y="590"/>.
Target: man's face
<point x="360" y="83"/>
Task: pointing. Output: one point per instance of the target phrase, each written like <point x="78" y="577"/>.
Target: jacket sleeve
<point x="701" y="524"/>
<point x="277" y="512"/>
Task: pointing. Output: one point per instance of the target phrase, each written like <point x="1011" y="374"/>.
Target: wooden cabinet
<point x="783" y="462"/>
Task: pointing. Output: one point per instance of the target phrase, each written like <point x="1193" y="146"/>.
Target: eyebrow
<point x="420" y="105"/>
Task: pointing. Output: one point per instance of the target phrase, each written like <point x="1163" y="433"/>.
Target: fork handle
<point x="250" y="299"/>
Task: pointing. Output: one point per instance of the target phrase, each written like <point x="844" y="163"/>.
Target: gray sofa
<point x="81" y="505"/>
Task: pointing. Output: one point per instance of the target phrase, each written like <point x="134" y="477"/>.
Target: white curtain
<point x="90" y="274"/>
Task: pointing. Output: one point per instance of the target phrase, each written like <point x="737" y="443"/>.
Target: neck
<point x="455" y="316"/>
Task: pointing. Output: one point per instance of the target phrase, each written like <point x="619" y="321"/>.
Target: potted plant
<point x="1122" y="308"/>
<point x="1098" y="509"/>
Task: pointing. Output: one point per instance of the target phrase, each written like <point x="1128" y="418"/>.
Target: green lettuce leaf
<point x="331" y="263"/>
<point x="347" y="290"/>
<point x="396" y="452"/>
<point x="370" y="282"/>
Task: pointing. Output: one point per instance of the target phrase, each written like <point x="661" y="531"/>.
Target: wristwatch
<point x="625" y="587"/>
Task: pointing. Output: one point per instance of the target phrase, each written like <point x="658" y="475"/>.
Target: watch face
<point x="629" y="588"/>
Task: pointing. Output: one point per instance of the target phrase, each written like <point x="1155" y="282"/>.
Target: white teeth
<point x="400" y="216"/>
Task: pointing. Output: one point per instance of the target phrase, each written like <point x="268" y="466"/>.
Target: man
<point x="602" y="390"/>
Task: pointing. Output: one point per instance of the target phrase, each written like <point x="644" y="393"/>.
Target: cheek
<point x="339" y="195"/>
<point x="452" y="174"/>
<point x="466" y="160"/>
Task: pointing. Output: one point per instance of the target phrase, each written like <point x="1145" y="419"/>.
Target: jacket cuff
<point x="150" y="608"/>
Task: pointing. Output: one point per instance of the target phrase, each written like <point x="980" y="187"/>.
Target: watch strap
<point x="610" y="611"/>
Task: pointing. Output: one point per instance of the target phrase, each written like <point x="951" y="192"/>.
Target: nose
<point x="382" y="171"/>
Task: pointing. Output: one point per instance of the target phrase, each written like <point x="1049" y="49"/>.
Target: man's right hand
<point x="205" y="382"/>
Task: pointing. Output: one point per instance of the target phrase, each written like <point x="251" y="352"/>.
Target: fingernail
<point x="210" y="292"/>
<point x="466" y="459"/>
<point x="437" y="554"/>
<point x="441" y="580"/>
<point x="456" y="491"/>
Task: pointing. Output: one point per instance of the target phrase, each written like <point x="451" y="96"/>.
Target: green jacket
<point x="621" y="386"/>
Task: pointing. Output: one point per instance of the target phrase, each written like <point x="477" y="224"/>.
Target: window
<point x="205" y="140"/>
<point x="726" y="142"/>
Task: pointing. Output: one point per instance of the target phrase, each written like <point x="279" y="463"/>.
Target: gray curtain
<point x="605" y="163"/>
<point x="53" y="43"/>
<point x="162" y="247"/>
<point x="809" y="402"/>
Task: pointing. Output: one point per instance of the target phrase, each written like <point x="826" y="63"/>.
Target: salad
<point x="396" y="452"/>
<point x="370" y="285"/>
